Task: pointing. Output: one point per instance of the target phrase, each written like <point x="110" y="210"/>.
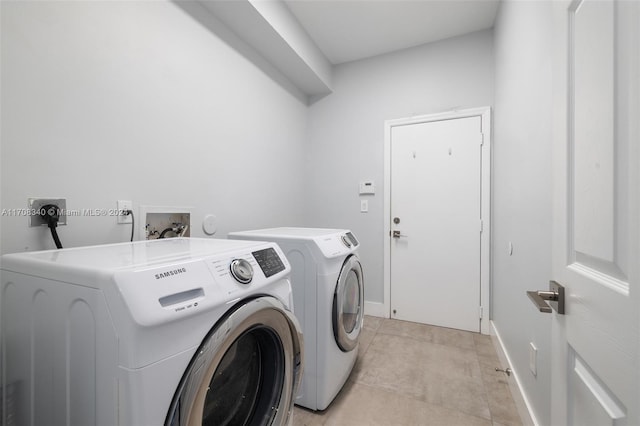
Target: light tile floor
<point x="414" y="374"/>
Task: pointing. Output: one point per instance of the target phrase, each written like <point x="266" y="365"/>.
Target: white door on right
<point x="596" y="252"/>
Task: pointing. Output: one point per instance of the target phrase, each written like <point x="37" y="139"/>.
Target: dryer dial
<point x="346" y="241"/>
<point x="242" y="271"/>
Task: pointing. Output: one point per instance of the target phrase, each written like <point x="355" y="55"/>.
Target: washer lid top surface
<point x="127" y="255"/>
<point x="331" y="242"/>
<point x="292" y="232"/>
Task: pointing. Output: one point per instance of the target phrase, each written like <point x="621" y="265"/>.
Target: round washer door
<point x="246" y="372"/>
<point x="348" y="305"/>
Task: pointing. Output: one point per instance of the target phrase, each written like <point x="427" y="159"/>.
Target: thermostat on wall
<point x="367" y="188"/>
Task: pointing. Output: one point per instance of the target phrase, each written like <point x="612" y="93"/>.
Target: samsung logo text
<point x="170" y="273"/>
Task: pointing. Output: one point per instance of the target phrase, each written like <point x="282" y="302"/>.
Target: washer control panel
<point x="248" y="270"/>
<point x="269" y="261"/>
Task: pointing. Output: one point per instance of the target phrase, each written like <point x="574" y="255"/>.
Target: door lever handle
<point x="555" y="297"/>
<point x="397" y="234"/>
<point x="539" y="300"/>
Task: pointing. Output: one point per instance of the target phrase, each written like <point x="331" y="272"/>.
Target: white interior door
<point x="436" y="218"/>
<point x="595" y="359"/>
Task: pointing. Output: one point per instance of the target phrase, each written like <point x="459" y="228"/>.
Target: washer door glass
<point x="348" y="302"/>
<point x="246" y="372"/>
<point x="247" y="382"/>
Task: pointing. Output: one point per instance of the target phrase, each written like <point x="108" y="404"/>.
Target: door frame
<point x="485" y="200"/>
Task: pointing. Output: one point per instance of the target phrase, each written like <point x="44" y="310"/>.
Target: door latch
<point x="555" y="297"/>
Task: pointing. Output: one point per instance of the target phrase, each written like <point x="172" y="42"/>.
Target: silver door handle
<point x="397" y="234"/>
<point x="555" y="297"/>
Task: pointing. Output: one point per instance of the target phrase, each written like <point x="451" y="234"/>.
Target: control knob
<point x="242" y="271"/>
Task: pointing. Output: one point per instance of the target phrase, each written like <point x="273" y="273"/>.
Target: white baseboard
<point x="519" y="396"/>
<point x="375" y="309"/>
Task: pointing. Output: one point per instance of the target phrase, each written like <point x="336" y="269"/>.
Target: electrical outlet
<point x="35" y="209"/>
<point x="124" y="205"/>
<point x="533" y="359"/>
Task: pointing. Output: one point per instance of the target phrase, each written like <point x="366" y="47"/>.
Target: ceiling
<point x="348" y="30"/>
<point x="298" y="42"/>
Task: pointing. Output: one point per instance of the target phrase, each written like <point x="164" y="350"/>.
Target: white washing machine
<point x="328" y="296"/>
<point x="166" y="332"/>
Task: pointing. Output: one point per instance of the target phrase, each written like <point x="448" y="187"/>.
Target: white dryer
<point x="328" y="296"/>
<point x="165" y="332"/>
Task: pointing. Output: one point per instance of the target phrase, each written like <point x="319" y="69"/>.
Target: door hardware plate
<point x="557" y="305"/>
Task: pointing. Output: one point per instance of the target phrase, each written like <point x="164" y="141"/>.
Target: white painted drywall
<point x="137" y="101"/>
<point x="522" y="191"/>
<point x="346" y="129"/>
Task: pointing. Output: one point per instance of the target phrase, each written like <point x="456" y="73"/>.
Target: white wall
<point x="346" y="129"/>
<point x="136" y="100"/>
<point x="522" y="190"/>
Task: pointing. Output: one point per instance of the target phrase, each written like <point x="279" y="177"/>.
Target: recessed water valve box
<point x="165" y="222"/>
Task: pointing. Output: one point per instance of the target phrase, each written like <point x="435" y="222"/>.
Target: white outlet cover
<point x="210" y="224"/>
<point x="123" y="205"/>
<point x="533" y="359"/>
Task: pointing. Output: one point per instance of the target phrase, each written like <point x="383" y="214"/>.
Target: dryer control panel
<point x="338" y="244"/>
